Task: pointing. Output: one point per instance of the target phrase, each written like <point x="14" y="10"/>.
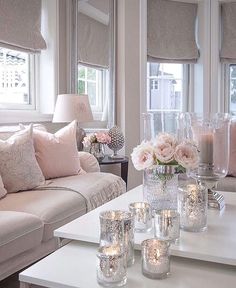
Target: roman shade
<point x="93" y="36"/>
<point x="171" y="31"/>
<point x="228" y="48"/>
<point x="20" y="22"/>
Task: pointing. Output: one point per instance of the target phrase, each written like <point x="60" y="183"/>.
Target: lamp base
<point x="215" y="200"/>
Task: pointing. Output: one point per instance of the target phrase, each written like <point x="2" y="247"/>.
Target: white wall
<point x="128" y="79"/>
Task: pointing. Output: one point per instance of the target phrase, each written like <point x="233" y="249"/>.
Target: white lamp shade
<point x="71" y="107"/>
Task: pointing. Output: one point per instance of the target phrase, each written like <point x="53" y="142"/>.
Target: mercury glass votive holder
<point x="142" y="214"/>
<point x="111" y="266"/>
<point x="155" y="258"/>
<point x="192" y="206"/>
<point x="117" y="227"/>
<point x="167" y="225"/>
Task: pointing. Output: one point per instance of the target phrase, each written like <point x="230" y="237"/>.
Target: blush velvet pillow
<point x="57" y="153"/>
<point x="18" y="166"/>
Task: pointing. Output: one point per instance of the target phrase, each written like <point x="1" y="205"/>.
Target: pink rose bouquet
<point x="99" y="137"/>
<point x="165" y="150"/>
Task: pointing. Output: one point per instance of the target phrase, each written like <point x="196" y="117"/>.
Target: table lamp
<point x="71" y="107"/>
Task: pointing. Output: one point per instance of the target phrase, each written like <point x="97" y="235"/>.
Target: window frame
<point x="32" y="90"/>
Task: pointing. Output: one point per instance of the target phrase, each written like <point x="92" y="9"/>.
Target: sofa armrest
<point x="88" y="162"/>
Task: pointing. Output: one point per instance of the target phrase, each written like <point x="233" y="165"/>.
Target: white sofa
<point x="28" y="218"/>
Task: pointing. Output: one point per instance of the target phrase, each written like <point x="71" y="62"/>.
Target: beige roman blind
<point x="171" y="31"/>
<point x="228" y="47"/>
<point x="93" y="48"/>
<point x="20" y="22"/>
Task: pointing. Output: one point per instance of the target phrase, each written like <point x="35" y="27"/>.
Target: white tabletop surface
<point x="217" y="244"/>
<point x="74" y="266"/>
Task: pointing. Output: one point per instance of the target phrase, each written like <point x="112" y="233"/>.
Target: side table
<point x="123" y="165"/>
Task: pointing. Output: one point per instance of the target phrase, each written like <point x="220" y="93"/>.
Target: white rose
<point x="164" y="152"/>
<point x="166" y="138"/>
<point x="186" y="155"/>
<point x="143" y="156"/>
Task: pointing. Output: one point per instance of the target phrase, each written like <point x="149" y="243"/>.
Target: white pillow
<point x="18" y="165"/>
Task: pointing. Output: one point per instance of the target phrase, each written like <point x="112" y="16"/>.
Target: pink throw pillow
<point x="57" y="153"/>
<point x="3" y="191"/>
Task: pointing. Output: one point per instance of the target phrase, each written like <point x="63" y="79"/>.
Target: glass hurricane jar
<point x="97" y="150"/>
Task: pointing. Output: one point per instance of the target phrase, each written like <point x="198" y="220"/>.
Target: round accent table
<point x="123" y="165"/>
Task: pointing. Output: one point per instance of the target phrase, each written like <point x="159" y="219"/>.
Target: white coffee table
<point x="74" y="266"/>
<point x="217" y="244"/>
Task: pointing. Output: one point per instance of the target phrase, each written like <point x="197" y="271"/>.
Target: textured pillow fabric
<point x="3" y="191"/>
<point x="18" y="166"/>
<point x="57" y="153"/>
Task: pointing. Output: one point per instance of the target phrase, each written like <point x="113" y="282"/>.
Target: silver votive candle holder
<point x="167" y="225"/>
<point x="142" y="214"/>
<point x="117" y="227"/>
<point x="155" y="258"/>
<point x="192" y="206"/>
<point x="111" y="266"/>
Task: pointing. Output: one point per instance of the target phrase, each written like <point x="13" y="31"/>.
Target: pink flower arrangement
<point x="99" y="137"/>
<point x="165" y="150"/>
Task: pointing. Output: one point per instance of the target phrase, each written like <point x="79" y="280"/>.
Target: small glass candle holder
<point x="111" y="266"/>
<point x="142" y="214"/>
<point x="155" y="258"/>
<point x="117" y="227"/>
<point x="192" y="206"/>
<point x="166" y="225"/>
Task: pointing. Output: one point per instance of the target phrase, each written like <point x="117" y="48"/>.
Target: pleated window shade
<point x="228" y="47"/>
<point x="20" y="22"/>
<point x="93" y="42"/>
<point x="171" y="31"/>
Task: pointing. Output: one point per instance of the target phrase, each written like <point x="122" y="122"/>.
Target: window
<point x="232" y="89"/>
<point x="15" y="80"/>
<point x="165" y="87"/>
<point x="92" y="81"/>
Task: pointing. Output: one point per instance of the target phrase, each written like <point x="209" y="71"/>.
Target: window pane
<point x="164" y="86"/>
<point x="81" y="73"/>
<point x="232" y="102"/>
<point x="91" y="74"/>
<point x="14" y="77"/>
<point x="81" y="87"/>
<point x="92" y="93"/>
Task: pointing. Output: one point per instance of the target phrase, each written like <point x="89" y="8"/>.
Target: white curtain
<point x="171" y="31"/>
<point x="20" y="25"/>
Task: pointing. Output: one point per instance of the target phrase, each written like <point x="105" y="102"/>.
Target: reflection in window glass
<point x="14" y="77"/>
<point x="92" y="81"/>
<point x="232" y="90"/>
<point x="164" y="86"/>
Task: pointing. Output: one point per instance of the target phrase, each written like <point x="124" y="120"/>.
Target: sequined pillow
<point x="18" y="165"/>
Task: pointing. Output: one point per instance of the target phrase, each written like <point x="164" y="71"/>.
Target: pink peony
<point x="186" y="155"/>
<point x="143" y="156"/>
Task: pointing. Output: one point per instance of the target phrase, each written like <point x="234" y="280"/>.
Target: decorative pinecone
<point x="117" y="138"/>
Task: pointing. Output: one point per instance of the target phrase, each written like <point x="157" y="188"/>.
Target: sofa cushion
<point x="57" y="153"/>
<point x="18" y="166"/>
<point x="19" y="232"/>
<point x="54" y="207"/>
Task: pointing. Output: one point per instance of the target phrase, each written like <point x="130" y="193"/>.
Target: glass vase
<point x="97" y="150"/>
<point x="160" y="187"/>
